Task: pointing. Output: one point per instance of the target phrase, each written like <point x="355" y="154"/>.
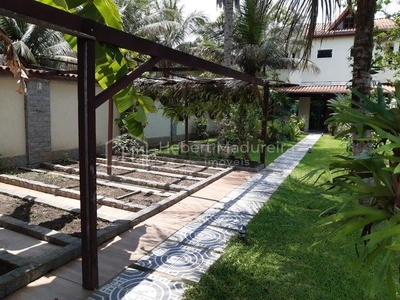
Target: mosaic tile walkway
<point x="187" y="254"/>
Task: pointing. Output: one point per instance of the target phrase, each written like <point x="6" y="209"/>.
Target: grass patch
<point x="278" y="262"/>
<point x="272" y="151"/>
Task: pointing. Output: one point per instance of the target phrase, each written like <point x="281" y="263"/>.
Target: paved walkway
<point x="166" y="252"/>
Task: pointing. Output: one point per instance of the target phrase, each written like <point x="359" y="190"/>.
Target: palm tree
<point x="228" y="6"/>
<point x="171" y="28"/>
<point x="135" y="13"/>
<point x="38" y="46"/>
<point x="164" y="22"/>
<point x="260" y="43"/>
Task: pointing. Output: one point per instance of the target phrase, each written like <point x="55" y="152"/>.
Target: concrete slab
<point x="50" y="287"/>
<point x="24" y="246"/>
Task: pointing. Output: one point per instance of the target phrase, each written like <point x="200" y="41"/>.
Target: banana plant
<point x="374" y="177"/>
<point x="111" y="63"/>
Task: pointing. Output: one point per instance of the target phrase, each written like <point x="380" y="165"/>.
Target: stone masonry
<point x="37" y="122"/>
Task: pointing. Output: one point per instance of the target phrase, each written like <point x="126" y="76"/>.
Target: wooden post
<point x="264" y="121"/>
<point x="110" y="135"/>
<point x="87" y="162"/>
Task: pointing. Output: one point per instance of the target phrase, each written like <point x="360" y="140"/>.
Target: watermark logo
<point x="212" y="154"/>
<point x="126" y="145"/>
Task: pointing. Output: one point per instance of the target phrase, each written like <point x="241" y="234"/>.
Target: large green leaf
<point x="134" y="127"/>
<point x="60" y="4"/>
<point x="109" y="12"/>
<point x="125" y="99"/>
<point x="147" y="103"/>
<point x="74" y="3"/>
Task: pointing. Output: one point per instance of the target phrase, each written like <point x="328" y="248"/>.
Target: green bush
<point x="365" y="189"/>
<point x="285" y="129"/>
<point x="200" y="128"/>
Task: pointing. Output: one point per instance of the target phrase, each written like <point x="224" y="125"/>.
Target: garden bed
<point x="161" y="164"/>
<point x="45" y="216"/>
<point x="124" y="195"/>
<point x="148" y="176"/>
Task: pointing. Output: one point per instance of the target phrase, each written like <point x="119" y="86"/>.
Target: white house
<point x="331" y="52"/>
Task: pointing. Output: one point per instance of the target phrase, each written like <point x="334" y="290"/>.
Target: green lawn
<point x="278" y="262"/>
<point x="272" y="150"/>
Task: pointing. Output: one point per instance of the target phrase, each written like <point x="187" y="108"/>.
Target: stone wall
<point x="37" y="121"/>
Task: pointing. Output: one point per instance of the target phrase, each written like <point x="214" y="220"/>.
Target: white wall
<point x="12" y="119"/>
<point x="337" y="69"/>
<point x="304" y="110"/>
<point x="64" y="117"/>
<point x="333" y="70"/>
<point x="180" y="127"/>
<point x="158" y="125"/>
<point x="294" y="77"/>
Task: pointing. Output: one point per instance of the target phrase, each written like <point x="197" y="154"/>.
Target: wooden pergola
<point x="88" y="33"/>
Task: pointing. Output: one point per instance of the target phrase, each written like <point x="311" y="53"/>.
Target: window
<point x="324" y="53"/>
<point x="348" y="22"/>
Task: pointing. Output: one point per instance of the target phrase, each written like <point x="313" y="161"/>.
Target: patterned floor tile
<point x="265" y="188"/>
<point x="223" y="218"/>
<point x="203" y="236"/>
<point x="176" y="259"/>
<point x="257" y="195"/>
<point x="112" y="292"/>
<point x="240" y="206"/>
<point x="133" y="284"/>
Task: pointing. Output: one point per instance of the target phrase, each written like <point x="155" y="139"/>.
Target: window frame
<point x="328" y="53"/>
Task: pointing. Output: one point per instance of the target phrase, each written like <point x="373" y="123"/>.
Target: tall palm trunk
<point x="228" y="28"/>
<point x="363" y="49"/>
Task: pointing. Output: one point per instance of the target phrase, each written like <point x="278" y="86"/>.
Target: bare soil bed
<point x="50" y="179"/>
<point x="171" y="165"/>
<point x="43" y="215"/>
<point x="137" y="198"/>
<point x="139" y="175"/>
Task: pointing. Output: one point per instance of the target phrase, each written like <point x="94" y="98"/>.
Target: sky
<point x="209" y="7"/>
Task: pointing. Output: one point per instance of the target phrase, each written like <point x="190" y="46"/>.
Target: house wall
<point x="64" y="118"/>
<point x="304" y="110"/>
<point x="335" y="69"/>
<point x="12" y="119"/>
<point x="158" y="128"/>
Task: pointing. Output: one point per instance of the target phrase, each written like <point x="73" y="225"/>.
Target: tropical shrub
<point x="285" y="129"/>
<point x="241" y="126"/>
<point x="371" y="178"/>
<point x="200" y="128"/>
<point x="126" y="144"/>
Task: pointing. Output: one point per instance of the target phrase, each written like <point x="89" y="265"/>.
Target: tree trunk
<point x="228" y="28"/>
<point x="363" y="49"/>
